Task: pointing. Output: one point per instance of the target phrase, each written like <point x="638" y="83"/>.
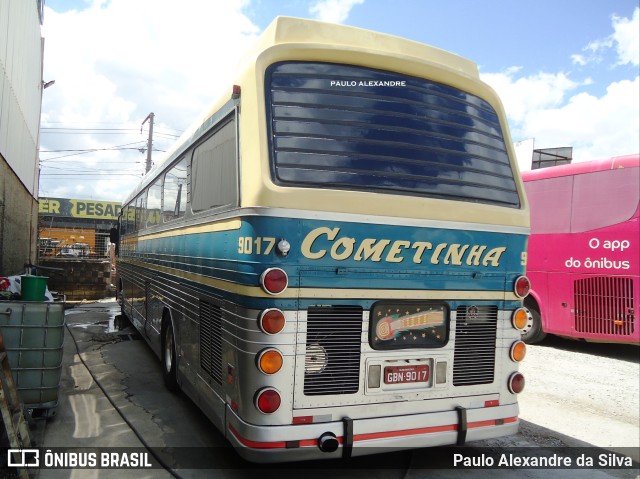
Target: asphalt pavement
<point x="112" y="403"/>
<point x="95" y="409"/>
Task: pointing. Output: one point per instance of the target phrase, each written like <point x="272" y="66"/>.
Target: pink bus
<point x="583" y="258"/>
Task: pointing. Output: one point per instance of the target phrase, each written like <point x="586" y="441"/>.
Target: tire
<point x="533" y="332"/>
<point x="169" y="357"/>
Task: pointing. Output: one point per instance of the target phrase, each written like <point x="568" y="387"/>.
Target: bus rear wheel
<point x="533" y="332"/>
<point x="169" y="356"/>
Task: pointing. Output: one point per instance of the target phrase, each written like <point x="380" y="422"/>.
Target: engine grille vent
<point x="211" y="339"/>
<point x="475" y="351"/>
<point x="332" y="358"/>
<point x="604" y="305"/>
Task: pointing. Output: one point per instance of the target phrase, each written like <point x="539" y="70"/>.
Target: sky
<point x="567" y="72"/>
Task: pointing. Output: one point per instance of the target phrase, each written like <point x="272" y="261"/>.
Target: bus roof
<point x="627" y="161"/>
<point x="289" y="30"/>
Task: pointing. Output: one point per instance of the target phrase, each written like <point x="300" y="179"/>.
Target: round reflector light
<point x="522" y="286"/>
<point x="267" y="400"/>
<point x="520" y="318"/>
<point x="270" y="361"/>
<point x="274" y="281"/>
<point x="516" y="383"/>
<point x="271" y="321"/>
<point x="518" y="351"/>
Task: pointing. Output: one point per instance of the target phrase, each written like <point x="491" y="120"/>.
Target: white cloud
<point x="627" y="38"/>
<point x="116" y="61"/>
<point x="549" y="109"/>
<point x="335" y="11"/>
<point x="595" y="127"/>
<point x="555" y="110"/>
<point x="578" y="59"/>
<point x="523" y="95"/>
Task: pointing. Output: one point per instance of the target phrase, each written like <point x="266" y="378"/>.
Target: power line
<point x="89" y="122"/>
<point x="87" y="129"/>
<point x="115" y="146"/>
<point x="86" y="149"/>
<point x="99" y="131"/>
<point x="75" y="162"/>
<point x="82" y="152"/>
<point x="96" y="175"/>
<point x="80" y="168"/>
<point x="74" y="152"/>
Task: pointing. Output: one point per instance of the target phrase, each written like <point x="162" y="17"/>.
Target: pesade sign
<point x="73" y="208"/>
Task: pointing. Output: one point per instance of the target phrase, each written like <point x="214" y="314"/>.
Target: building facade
<point x="21" y="54"/>
<point x="76" y="227"/>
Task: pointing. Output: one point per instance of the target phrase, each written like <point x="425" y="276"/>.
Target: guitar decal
<point x="387" y="327"/>
<point x="405" y="325"/>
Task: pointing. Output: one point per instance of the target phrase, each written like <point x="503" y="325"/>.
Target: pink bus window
<point x="550" y="203"/>
<point x="604" y="198"/>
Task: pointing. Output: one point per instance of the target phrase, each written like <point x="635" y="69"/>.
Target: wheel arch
<point x="532" y="301"/>
<point x="167" y="318"/>
<point x="170" y="375"/>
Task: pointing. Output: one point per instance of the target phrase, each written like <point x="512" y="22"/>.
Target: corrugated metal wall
<point x="20" y="100"/>
<point x="20" y="88"/>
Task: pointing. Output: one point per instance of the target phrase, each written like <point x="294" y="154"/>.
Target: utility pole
<point x="150" y="140"/>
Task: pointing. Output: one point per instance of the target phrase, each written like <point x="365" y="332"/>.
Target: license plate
<point x="418" y="373"/>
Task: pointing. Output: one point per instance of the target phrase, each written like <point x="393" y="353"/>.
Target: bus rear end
<point x="392" y="337"/>
<point x="385" y="225"/>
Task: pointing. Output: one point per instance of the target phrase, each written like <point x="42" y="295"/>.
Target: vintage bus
<point x="583" y="251"/>
<point x="331" y="262"/>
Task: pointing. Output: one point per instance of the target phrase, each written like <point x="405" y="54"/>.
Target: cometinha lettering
<point x="377" y="250"/>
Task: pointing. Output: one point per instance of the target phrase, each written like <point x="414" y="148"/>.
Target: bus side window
<point x="604" y="198"/>
<point x="141" y="202"/>
<point x="553" y="194"/>
<point x="174" y="197"/>
<point x="154" y="198"/>
<point x="129" y="220"/>
<point x="214" y="180"/>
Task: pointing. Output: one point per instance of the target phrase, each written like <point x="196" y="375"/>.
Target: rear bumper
<point x="369" y="436"/>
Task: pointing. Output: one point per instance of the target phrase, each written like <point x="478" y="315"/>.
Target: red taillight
<point x="235" y="92"/>
<point x="274" y="281"/>
<point x="271" y="321"/>
<point x="516" y="383"/>
<point x="522" y="286"/>
<point x="268" y="400"/>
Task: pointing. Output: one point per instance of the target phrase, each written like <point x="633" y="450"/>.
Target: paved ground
<point x="112" y="395"/>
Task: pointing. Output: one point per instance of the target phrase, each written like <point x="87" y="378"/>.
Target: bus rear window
<point x="348" y="127"/>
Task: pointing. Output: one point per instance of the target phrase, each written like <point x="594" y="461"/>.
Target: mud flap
<point x="347" y="445"/>
<point x="462" y="425"/>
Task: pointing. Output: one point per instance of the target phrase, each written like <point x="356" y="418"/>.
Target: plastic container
<point x="33" y="336"/>
<point x="33" y="287"/>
